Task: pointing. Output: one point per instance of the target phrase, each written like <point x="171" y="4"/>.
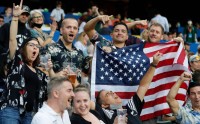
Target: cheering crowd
<point x="47" y="81"/>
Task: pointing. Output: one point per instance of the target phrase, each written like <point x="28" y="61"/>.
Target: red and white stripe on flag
<point x="173" y="63"/>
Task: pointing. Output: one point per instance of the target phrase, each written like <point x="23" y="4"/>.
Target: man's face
<point x="65" y="95"/>
<point x="155" y="34"/>
<point x="109" y="97"/>
<point x="195" y="65"/>
<point x="69" y="30"/>
<point x="195" y="96"/>
<point x="24" y="17"/>
<point x="119" y="34"/>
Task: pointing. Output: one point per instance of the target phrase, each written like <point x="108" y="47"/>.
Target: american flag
<point x="122" y="70"/>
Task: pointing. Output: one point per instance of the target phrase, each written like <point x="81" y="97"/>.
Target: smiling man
<point x="60" y="94"/>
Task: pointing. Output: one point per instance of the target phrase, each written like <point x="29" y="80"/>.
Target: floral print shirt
<point x="61" y="57"/>
<point x="15" y="93"/>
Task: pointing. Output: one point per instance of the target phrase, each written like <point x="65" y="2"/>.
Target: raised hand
<point x="156" y="58"/>
<point x="185" y="76"/>
<point x="104" y="18"/>
<point x="54" y="25"/>
<point x="17" y="10"/>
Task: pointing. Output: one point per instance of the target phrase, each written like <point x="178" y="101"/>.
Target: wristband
<point x="153" y="65"/>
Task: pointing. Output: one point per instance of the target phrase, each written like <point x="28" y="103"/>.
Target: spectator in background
<point x="81" y="43"/>
<point x="187" y="47"/>
<point x="8" y="15"/>
<point x="54" y="110"/>
<point x="190" y="32"/>
<point x="36" y="21"/>
<point x="58" y="14"/>
<point x="82" y="22"/>
<point x="160" y="19"/>
<point x="198" y="50"/>
<point x="92" y="14"/>
<point x="105" y="30"/>
<point x="194" y="62"/>
<point x="1" y="20"/>
<point x="144" y="35"/>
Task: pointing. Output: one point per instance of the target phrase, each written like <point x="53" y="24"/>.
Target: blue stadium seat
<point x="47" y="19"/>
<point x="69" y="15"/>
<point x="108" y="37"/>
<point x="198" y="33"/>
<point x="56" y="36"/>
<point x="2" y="8"/>
<point x="180" y="29"/>
<point x="193" y="47"/>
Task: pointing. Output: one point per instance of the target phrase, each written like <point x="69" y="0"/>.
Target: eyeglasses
<point x="33" y="45"/>
<point x="37" y="17"/>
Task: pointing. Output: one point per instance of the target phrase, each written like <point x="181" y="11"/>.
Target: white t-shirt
<point x="56" y="13"/>
<point x="46" y="115"/>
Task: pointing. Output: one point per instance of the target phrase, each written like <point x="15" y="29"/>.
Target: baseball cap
<point x="194" y="58"/>
<point x="26" y="9"/>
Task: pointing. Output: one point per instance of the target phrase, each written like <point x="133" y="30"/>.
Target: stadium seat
<point x="108" y="37"/>
<point x="56" y="36"/>
<point x="193" y="47"/>
<point x="47" y="19"/>
<point x="2" y="8"/>
<point x="69" y="15"/>
<point x="198" y="33"/>
<point x="180" y="29"/>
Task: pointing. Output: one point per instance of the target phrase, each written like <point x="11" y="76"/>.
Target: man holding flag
<point x="129" y="62"/>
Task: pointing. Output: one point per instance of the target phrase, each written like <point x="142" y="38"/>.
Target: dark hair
<point x="23" y="52"/>
<point x="191" y="85"/>
<point x="98" y="99"/>
<point x="159" y="25"/>
<point x="121" y="23"/>
<point x="196" y="76"/>
<point x="1" y="17"/>
<point x="3" y="64"/>
<point x="58" y="2"/>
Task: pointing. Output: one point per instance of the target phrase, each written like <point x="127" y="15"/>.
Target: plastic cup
<point x="121" y="113"/>
<point x="44" y="60"/>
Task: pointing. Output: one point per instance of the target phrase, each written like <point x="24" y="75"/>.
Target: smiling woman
<point x="81" y="103"/>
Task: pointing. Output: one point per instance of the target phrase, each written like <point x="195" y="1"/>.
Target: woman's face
<point x="32" y="50"/>
<point x="81" y="103"/>
<point x="37" y="18"/>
